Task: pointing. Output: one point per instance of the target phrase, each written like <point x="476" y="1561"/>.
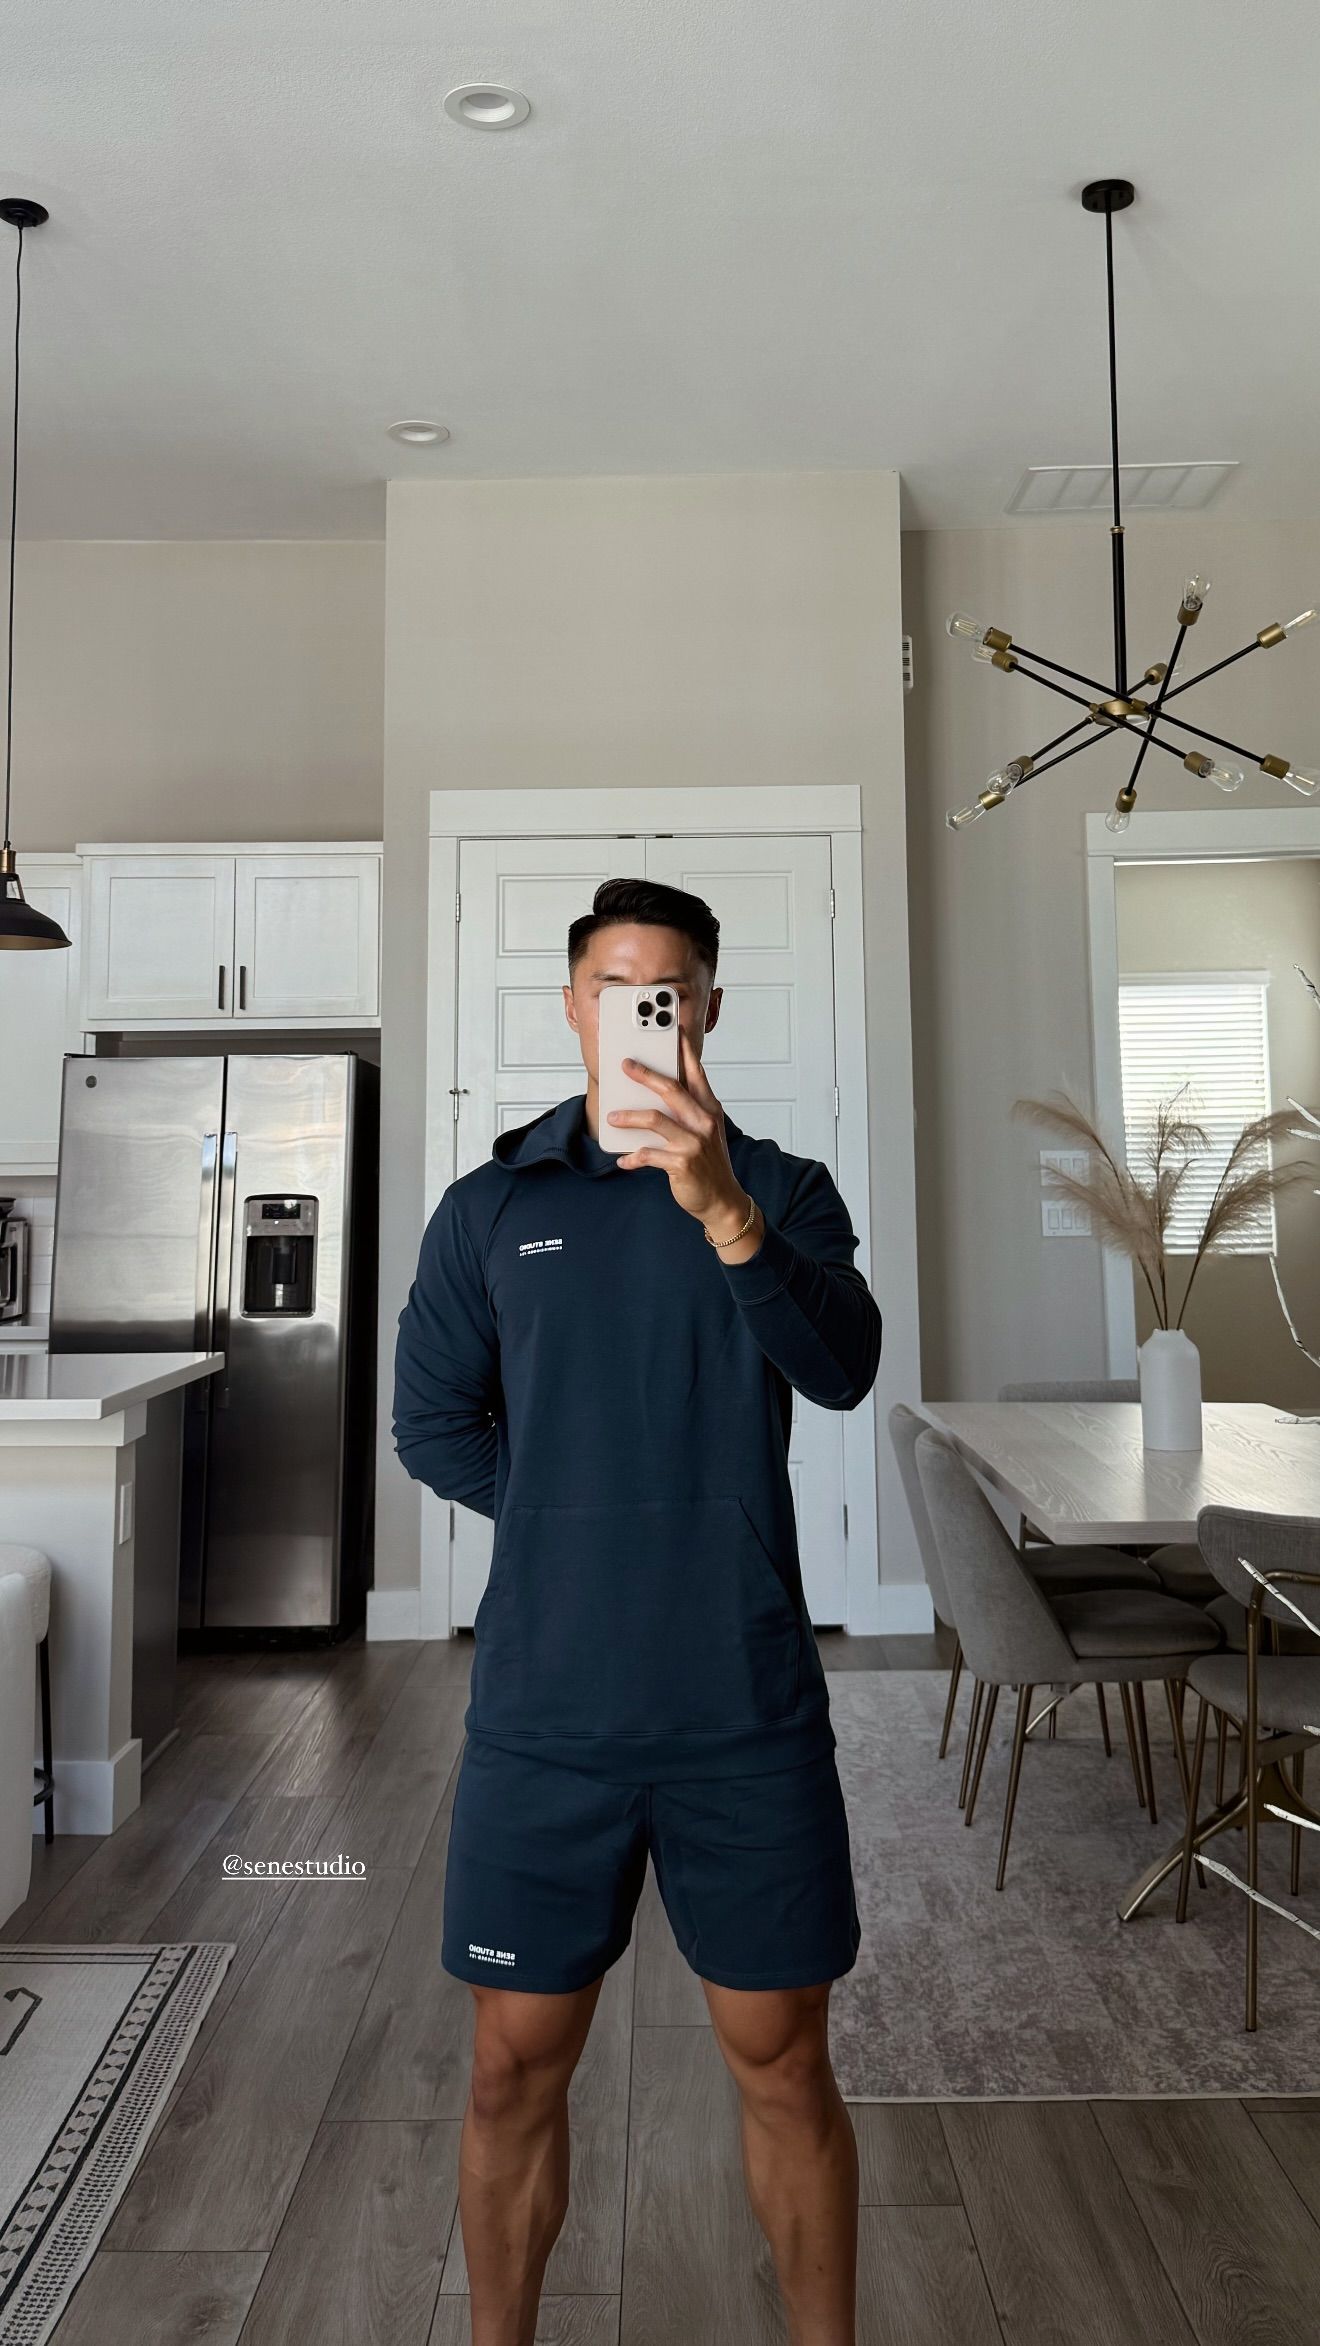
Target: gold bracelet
<point x="737" y="1233"/>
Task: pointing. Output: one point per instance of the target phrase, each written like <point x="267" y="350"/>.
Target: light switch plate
<point x="1077" y="1162"/>
<point x="1060" y="1218"/>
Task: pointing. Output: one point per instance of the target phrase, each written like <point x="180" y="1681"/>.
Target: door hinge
<point x="451" y="1518"/>
<point x="845" y="1519"/>
<point x="458" y="906"/>
<point x="831" y="904"/>
<point x="836" y="1103"/>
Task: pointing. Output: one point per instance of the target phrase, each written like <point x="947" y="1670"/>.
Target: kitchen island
<point x="70" y="1426"/>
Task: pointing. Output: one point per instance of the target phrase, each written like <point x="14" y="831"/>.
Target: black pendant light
<point x="1120" y="705"/>
<point x="21" y="925"/>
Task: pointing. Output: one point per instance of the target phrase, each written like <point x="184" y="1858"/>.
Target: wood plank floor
<point x="301" y="2185"/>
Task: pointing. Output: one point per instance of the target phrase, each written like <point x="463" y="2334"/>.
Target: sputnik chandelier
<point x="1144" y="710"/>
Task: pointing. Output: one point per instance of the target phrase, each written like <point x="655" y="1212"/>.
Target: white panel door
<point x="306" y="936"/>
<point x="39" y="1020"/>
<point x="771" y="1058"/>
<point x="771" y="1063"/>
<point x="159" y="940"/>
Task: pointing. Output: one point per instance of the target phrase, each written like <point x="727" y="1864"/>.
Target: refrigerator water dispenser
<point x="279" y="1257"/>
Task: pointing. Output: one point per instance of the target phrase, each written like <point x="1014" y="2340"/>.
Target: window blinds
<point x="1211" y="1034"/>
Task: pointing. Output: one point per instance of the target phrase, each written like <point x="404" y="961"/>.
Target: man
<point x="597" y="1352"/>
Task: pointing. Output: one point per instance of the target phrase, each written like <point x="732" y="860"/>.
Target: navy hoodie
<point x="578" y="1362"/>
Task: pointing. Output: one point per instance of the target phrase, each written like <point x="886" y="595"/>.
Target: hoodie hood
<point x="560" y="1135"/>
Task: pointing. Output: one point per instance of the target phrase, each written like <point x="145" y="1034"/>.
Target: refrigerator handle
<point x="206" y="1227"/>
<point x="224" y="1268"/>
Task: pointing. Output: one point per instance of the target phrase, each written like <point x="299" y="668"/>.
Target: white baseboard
<point x="94" y="1796"/>
<point x="393" y="1615"/>
<point x="905" y="1609"/>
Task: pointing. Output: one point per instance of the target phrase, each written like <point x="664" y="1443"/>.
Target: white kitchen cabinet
<point x="209" y="936"/>
<point x="307" y="936"/>
<point x="39" y="1020"/>
<point x="159" y="938"/>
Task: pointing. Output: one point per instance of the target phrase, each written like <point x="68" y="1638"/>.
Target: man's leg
<point x="513" y="2159"/>
<point x="799" y="2150"/>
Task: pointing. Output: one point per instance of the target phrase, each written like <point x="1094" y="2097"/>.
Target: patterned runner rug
<point x="91" y="2042"/>
<point x="1037" y="1992"/>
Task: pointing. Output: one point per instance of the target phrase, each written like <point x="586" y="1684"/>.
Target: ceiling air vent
<point x="907" y="663"/>
<point x="1146" y="488"/>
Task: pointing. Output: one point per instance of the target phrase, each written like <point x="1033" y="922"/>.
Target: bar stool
<point x="34" y="1567"/>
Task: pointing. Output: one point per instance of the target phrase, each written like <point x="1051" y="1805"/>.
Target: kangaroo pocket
<point x="654" y="1616"/>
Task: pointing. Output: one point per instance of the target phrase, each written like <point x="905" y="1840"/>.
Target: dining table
<point x="1078" y="1473"/>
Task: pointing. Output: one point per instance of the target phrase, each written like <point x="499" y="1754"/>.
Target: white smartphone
<point x="636" y="1022"/>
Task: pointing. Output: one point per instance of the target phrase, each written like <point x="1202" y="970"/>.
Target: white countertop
<point x="40" y="1387"/>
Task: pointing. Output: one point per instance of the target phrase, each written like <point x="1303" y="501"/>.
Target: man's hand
<point x="690" y="1146"/>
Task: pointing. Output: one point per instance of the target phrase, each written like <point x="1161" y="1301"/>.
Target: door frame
<point x="1207" y="834"/>
<point x="834" y="808"/>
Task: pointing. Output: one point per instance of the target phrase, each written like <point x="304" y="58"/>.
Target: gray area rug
<point x="1038" y="1992"/>
<point x="91" y="2042"/>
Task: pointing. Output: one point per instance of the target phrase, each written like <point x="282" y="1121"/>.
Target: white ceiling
<point x="735" y="234"/>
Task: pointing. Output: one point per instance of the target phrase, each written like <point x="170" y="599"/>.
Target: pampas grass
<point x="1131" y="1211"/>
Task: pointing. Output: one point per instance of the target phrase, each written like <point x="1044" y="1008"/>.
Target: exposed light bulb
<point x="994" y="793"/>
<point x="1118" y="818"/>
<point x="1223" y="777"/>
<point x="1195" y="591"/>
<point x="1305" y="779"/>
<point x="1303" y="619"/>
<point x="965" y="629"/>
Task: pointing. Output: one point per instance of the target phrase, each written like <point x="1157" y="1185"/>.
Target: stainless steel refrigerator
<point x="228" y="1203"/>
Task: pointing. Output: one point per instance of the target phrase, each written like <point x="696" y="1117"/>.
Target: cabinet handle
<point x="242" y="985"/>
<point x="220" y="999"/>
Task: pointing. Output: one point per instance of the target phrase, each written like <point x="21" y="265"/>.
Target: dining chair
<point x="1274" y="1695"/>
<point x="1013" y="1635"/>
<point x="1058" y="1571"/>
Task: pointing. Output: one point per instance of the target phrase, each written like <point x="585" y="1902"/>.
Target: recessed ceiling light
<point x="416" y="433"/>
<point x="486" y="106"/>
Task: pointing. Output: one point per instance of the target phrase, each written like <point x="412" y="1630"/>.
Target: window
<point x="1211" y="1034"/>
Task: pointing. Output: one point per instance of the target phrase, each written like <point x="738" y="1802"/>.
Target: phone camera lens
<point x="644" y="1009"/>
<point x="664" y="997"/>
<point x="664" y="1018"/>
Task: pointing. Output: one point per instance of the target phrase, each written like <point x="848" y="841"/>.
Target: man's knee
<point x="777" y="2048"/>
<point x="525" y="2049"/>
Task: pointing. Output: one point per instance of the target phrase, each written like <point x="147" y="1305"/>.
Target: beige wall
<point x="715" y="629"/>
<point x="1249" y="916"/>
<point x="999" y="977"/>
<point x="228" y="690"/>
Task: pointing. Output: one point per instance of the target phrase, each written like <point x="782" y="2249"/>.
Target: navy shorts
<point x="546" y="1866"/>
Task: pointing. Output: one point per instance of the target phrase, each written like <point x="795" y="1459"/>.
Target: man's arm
<point x="446" y="1369"/>
<point x="805" y="1301"/>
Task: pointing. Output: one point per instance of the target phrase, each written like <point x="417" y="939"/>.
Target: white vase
<point x="1169" y="1367"/>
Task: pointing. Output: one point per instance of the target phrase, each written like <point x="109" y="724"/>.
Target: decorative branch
<point x="1133" y="1209"/>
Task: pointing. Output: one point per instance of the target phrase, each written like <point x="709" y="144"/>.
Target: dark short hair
<point x="655" y="905"/>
